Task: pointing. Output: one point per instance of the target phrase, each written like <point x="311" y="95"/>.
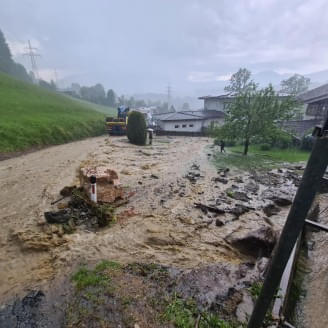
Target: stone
<point x="220" y="179"/>
<point x="109" y="188"/>
<point x="239" y="209"/>
<point x="271" y="209"/>
<point x="252" y="187"/>
<point x="61" y="216"/>
<point x="257" y="243"/>
<point x="280" y="197"/>
<point x="219" y="223"/>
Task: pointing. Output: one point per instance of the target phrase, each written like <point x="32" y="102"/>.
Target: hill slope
<point x="31" y="116"/>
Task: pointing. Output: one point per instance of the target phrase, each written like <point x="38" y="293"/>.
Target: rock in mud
<point x="61" y="216"/>
<point x="219" y="223"/>
<point x="279" y="197"/>
<point x="215" y="287"/>
<point x="271" y="209"/>
<point x="237" y="195"/>
<point x="252" y="187"/>
<point x="109" y="189"/>
<point x="239" y="210"/>
<point x="219" y="179"/>
<point x="207" y="208"/>
<point x="258" y="243"/>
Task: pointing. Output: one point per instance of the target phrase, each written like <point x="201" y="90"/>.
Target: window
<point x="176" y="126"/>
<point x="191" y="125"/>
<point x="184" y="125"/>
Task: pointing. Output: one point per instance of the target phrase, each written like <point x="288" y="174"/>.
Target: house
<point x="316" y="101"/>
<point x="218" y="103"/>
<point x="316" y="111"/>
<point x="187" y="122"/>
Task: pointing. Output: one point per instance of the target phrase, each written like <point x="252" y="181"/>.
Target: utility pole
<point x="314" y="171"/>
<point x="56" y="76"/>
<point x="31" y="52"/>
<point x="168" y="97"/>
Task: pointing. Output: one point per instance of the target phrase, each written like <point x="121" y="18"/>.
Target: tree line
<point x="97" y="94"/>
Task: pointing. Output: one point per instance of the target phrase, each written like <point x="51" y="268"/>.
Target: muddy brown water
<point x="165" y="228"/>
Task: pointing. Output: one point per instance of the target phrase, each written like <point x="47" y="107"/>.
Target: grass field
<point x="31" y="116"/>
<point x="257" y="158"/>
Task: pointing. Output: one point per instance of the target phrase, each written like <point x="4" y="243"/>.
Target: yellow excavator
<point x="116" y="126"/>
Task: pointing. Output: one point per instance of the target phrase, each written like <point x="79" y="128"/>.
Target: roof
<point x="222" y="97"/>
<point x="193" y="115"/>
<point x="314" y="95"/>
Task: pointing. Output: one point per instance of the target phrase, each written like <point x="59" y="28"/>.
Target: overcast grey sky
<point x="142" y="45"/>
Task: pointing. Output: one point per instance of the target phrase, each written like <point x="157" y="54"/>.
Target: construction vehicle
<point x="116" y="126"/>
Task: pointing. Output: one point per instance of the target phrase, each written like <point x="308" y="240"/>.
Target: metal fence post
<point x="313" y="173"/>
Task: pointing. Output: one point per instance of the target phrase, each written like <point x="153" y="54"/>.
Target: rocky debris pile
<point x="220" y="287"/>
<point x="80" y="211"/>
<point x="39" y="241"/>
<point x="109" y="189"/>
<point x="138" y="292"/>
<point x="30" y="311"/>
<point x="257" y="243"/>
<point x="193" y="174"/>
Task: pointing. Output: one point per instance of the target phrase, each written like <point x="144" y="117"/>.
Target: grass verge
<point x="32" y="116"/>
<point x="258" y="159"/>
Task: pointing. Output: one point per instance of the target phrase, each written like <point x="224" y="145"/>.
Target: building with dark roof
<point x="317" y="102"/>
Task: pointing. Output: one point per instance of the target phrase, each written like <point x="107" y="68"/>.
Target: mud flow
<point x="182" y="213"/>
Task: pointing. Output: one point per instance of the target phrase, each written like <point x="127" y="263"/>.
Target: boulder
<point x="108" y="186"/>
<point x="257" y="243"/>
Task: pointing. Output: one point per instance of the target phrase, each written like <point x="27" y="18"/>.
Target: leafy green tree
<point x="7" y="64"/>
<point x="95" y="94"/>
<point x="111" y="98"/>
<point x="295" y="84"/>
<point x="137" y="128"/>
<point x="255" y="113"/>
<point x="241" y="82"/>
<point x="5" y="55"/>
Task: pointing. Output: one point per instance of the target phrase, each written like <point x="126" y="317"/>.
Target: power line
<point x="31" y="52"/>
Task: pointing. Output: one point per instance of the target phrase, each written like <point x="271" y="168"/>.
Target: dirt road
<point x="159" y="224"/>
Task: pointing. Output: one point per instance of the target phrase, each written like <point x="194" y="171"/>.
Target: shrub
<point x="265" y="147"/>
<point x="137" y="128"/>
<point x="307" y="142"/>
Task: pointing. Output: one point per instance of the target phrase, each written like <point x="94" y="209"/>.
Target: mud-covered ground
<point x="182" y="213"/>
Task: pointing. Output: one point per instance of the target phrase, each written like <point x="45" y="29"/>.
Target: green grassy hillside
<point x="33" y="116"/>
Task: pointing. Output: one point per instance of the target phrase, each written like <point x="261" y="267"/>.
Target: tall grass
<point x="258" y="159"/>
<point x="33" y="116"/>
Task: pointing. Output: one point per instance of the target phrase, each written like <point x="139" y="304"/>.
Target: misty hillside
<point x="32" y="116"/>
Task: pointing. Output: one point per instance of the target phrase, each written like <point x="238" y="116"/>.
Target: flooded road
<point x="159" y="224"/>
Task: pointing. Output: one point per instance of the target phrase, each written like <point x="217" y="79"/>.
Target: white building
<point x="188" y="122"/>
